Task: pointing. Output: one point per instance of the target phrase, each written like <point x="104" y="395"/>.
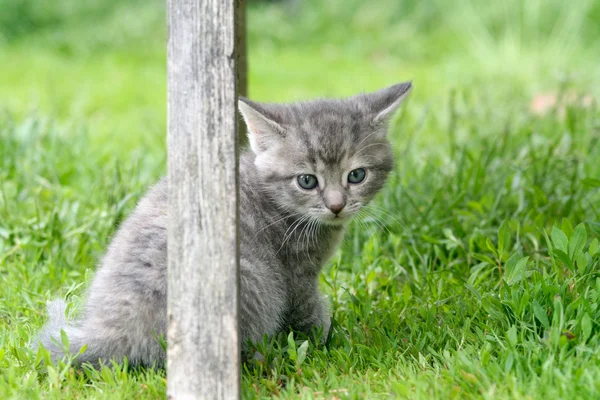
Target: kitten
<point x="313" y="165"/>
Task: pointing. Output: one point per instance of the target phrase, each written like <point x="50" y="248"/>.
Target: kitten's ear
<point x="385" y="101"/>
<point x="262" y="128"/>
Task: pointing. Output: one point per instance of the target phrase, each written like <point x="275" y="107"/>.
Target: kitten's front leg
<point x="262" y="302"/>
<point x="310" y="312"/>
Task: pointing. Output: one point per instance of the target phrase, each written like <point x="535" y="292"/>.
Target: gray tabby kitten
<point x="313" y="165"/>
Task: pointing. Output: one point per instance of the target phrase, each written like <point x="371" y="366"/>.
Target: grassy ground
<point x="476" y="272"/>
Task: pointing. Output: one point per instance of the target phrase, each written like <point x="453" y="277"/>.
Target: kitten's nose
<point x="335" y="202"/>
<point x="336" y="208"/>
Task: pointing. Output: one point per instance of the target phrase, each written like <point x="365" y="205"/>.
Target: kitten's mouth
<point x="334" y="220"/>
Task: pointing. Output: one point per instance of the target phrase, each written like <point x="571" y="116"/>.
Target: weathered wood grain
<point x="241" y="65"/>
<point x="203" y="354"/>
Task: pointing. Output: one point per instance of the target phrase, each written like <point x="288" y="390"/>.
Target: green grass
<point x="476" y="272"/>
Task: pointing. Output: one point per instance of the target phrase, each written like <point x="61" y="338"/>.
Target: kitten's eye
<point x="357" y="175"/>
<point x="307" y="182"/>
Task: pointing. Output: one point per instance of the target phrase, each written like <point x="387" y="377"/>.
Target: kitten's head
<point x="324" y="159"/>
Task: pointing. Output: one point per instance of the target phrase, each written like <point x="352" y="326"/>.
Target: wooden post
<point x="241" y="49"/>
<point x="203" y="354"/>
<point x="242" y="64"/>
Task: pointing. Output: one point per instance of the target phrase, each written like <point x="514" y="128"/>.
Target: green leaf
<point x="541" y="314"/>
<point x="64" y="339"/>
<point x="492" y="306"/>
<point x="451" y="237"/>
<point x="566" y="227"/>
<point x="591" y="182"/>
<point x="510" y="264"/>
<point x="4" y="233"/>
<point x="406" y="293"/>
<point x="302" y="352"/>
<point x="582" y="262"/>
<point x="484" y="258"/>
<point x="560" y="240"/>
<point x="577" y="241"/>
<point x="292" y="347"/>
<point x="503" y="237"/>
<point x="474" y="291"/>
<point x="52" y="376"/>
<point x="550" y="248"/>
<point x="511" y="335"/>
<point x="558" y="319"/>
<point x="586" y="326"/>
<point x="524" y="302"/>
<point x="593" y="249"/>
<point x="84" y="348"/>
<point x="594" y="226"/>
<point x="562" y="256"/>
<point x="490" y="246"/>
<point x="509" y="362"/>
<point x="515" y="269"/>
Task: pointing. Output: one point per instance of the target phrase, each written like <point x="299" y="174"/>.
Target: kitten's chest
<point x="295" y="248"/>
<point x="306" y="251"/>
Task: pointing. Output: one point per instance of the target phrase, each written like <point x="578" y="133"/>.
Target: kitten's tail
<point x="50" y="335"/>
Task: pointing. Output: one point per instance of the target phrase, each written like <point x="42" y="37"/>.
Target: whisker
<point x="377" y="220"/>
<point x="286" y="236"/>
<point x="373" y="157"/>
<point x="368" y="136"/>
<point x="300" y="241"/>
<point x="361" y="219"/>
<point x="274" y="222"/>
<point x="307" y="247"/>
<point x="366" y="147"/>
<point x="315" y="233"/>
<point x="388" y="214"/>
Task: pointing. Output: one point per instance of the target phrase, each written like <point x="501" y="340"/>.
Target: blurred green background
<point x="416" y="289"/>
<point x="101" y="63"/>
